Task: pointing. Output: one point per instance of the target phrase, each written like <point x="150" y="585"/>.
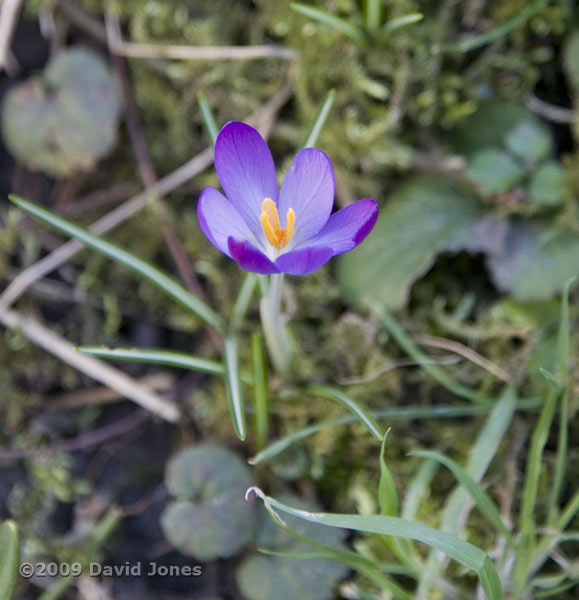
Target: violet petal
<point x="348" y="227"/>
<point x="308" y="188"/>
<point x="303" y="261"/>
<point x="246" y="171"/>
<point x="219" y="219"/>
<point x="248" y="257"/>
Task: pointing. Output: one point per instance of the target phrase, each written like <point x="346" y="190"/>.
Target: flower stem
<point x="273" y="326"/>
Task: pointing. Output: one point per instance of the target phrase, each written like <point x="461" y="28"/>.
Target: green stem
<point x="273" y="327"/>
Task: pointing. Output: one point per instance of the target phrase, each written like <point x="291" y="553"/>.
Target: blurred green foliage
<point x="405" y="103"/>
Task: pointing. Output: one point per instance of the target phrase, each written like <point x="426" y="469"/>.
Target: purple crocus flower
<point x="293" y="233"/>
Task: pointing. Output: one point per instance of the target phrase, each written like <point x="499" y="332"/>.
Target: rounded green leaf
<point x="424" y="216"/>
<point x="494" y="171"/>
<point x="210" y="530"/>
<point x="547" y="185"/>
<point x="64" y="120"/>
<point x="537" y="262"/>
<point x="211" y="518"/>
<point x="530" y="140"/>
<point x="487" y="126"/>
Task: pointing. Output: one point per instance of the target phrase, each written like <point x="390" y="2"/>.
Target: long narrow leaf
<point x="480" y="456"/>
<point x="156" y="356"/>
<point x="241" y="304"/>
<point x="320" y="120"/>
<point x="208" y="117"/>
<point x="9" y="558"/>
<point x="527" y="527"/>
<point x="351" y="404"/>
<point x="416" y="353"/>
<point x="357" y="562"/>
<point x="163" y="281"/>
<point x="466" y="554"/>
<point x="417" y="490"/>
<point x="341" y="25"/>
<point x="483" y="501"/>
<point x="233" y="387"/>
<point x="500" y="31"/>
<point x="260" y="393"/>
<point x="399" y="22"/>
<point x="372" y="14"/>
<point x="388" y="502"/>
<point x="440" y="411"/>
<point x="563" y="352"/>
<point x="387" y="494"/>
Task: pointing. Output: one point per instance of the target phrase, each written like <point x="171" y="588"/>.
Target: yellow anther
<point x="276" y="235"/>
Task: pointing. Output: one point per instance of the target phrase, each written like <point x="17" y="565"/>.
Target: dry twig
<point x="465" y="352"/>
<point x="89" y="365"/>
<point x="9" y="15"/>
<point x="181" y="52"/>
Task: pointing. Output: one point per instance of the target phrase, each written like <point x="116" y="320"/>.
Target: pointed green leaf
<point x="208" y="117"/>
<point x="158" y="356"/>
<point x="9" y="558"/>
<point x="483" y="501"/>
<point x="399" y="22"/>
<point x="260" y="398"/>
<point x="326" y="18"/>
<point x="387" y="494"/>
<point x="233" y="387"/>
<point x="320" y="120"/>
<point x="362" y="414"/>
<point x="466" y="554"/>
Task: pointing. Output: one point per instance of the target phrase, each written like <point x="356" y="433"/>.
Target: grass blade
<point x="498" y="32"/>
<point x="208" y="117"/>
<point x="244" y="296"/>
<point x="260" y="393"/>
<point x="416" y="353"/>
<point x="357" y="562"/>
<point x="362" y="414"/>
<point x="388" y="502"/>
<point x="320" y="120"/>
<point x="483" y="501"/>
<point x="387" y="494"/>
<point x="372" y="14"/>
<point x="9" y="558"/>
<point x="440" y="411"/>
<point x="466" y="554"/>
<point x="233" y="387"/>
<point x="399" y="22"/>
<point x="480" y="456"/>
<point x="326" y="18"/>
<point x="526" y="547"/>
<point x="156" y="356"/>
<point x="563" y="351"/>
<point x="163" y="281"/>
<point x="418" y="488"/>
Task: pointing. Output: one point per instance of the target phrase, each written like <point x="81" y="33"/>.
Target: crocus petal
<point x="308" y="189"/>
<point x="348" y="227"/>
<point x="219" y="219"/>
<point x="246" y="171"/>
<point x="304" y="261"/>
<point x="250" y="258"/>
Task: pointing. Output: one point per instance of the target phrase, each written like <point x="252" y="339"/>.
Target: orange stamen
<point x="276" y="235"/>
